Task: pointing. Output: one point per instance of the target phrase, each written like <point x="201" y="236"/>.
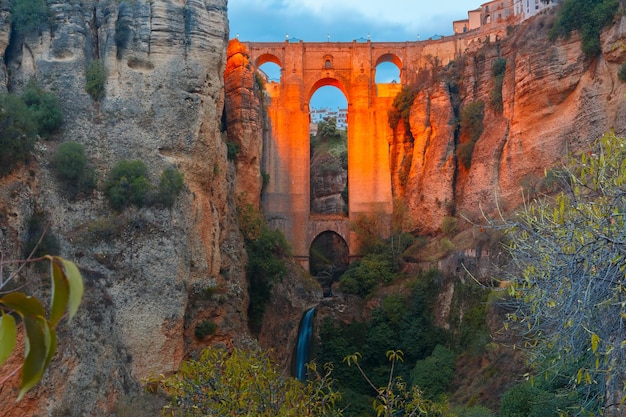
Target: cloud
<point x="345" y="20"/>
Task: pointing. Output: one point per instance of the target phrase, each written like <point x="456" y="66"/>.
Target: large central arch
<point x="351" y="67"/>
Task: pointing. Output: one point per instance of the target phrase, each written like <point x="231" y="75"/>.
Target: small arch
<point x="265" y="58"/>
<point x="388" y="69"/>
<point x="329" y="258"/>
<point x="323" y="82"/>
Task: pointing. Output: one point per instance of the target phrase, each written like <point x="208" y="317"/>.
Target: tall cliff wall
<point x="152" y="274"/>
<point x="553" y="101"/>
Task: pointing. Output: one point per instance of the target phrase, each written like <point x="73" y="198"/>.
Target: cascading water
<point x="303" y="344"/>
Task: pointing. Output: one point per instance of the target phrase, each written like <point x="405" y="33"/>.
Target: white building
<point x="318" y="115"/>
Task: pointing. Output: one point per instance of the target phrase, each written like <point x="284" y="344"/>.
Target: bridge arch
<point x="329" y="258"/>
<point x="265" y="58"/>
<point x="325" y="82"/>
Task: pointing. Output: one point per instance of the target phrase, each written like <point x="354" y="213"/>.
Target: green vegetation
<point x="28" y="16"/>
<point x="40" y="240"/>
<point x="401" y="110"/>
<point x="245" y="383"/>
<point x="127" y="184"/>
<point x="472" y="127"/>
<point x="44" y="108"/>
<point x="96" y="78"/>
<point x="170" y="185"/>
<point x="205" y="328"/>
<point x="588" y="17"/>
<point x="434" y="373"/>
<point x="366" y="274"/>
<point x="21" y="120"/>
<point x="71" y="166"/>
<point x="18" y="132"/>
<point x="267" y="250"/>
<point x="498" y="70"/>
<point x="40" y="337"/>
<point x="569" y="287"/>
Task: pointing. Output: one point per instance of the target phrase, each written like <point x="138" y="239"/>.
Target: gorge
<point x="178" y="93"/>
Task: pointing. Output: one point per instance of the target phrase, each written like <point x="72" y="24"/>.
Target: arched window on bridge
<point x="387" y="73"/>
<point x="271" y="71"/>
<point x="328" y="133"/>
<point x="328" y="259"/>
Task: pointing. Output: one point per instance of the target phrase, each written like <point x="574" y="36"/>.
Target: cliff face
<point x="553" y="101"/>
<point x="152" y="274"/>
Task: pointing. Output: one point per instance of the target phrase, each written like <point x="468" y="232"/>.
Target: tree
<point x="245" y="382"/>
<point x="570" y="288"/>
<point x="396" y="398"/>
<point x="39" y="331"/>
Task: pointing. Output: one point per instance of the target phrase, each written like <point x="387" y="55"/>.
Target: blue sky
<point x="344" y="21"/>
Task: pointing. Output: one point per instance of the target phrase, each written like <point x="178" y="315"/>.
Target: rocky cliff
<point x="553" y="101"/>
<point x="153" y="274"/>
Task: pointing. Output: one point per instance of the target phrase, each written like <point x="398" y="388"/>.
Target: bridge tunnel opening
<point x="328" y="135"/>
<point x="328" y="259"/>
<point x="388" y="75"/>
<point x="270" y="67"/>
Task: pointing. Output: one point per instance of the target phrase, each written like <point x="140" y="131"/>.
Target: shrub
<point x="588" y="17"/>
<point x="39" y="237"/>
<point x="170" y="185"/>
<point x="73" y="169"/>
<point x="401" y="109"/>
<point x="498" y="70"/>
<point x="365" y="275"/>
<point x="28" y="15"/>
<point x="267" y="250"/>
<point x="127" y="184"/>
<point x="245" y="383"/>
<point x="205" y="328"/>
<point x="44" y="108"/>
<point x="449" y="225"/>
<point x="96" y="78"/>
<point x="472" y="127"/>
<point x="17" y="132"/>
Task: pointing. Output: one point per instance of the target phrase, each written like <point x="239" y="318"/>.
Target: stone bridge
<point x="351" y="67"/>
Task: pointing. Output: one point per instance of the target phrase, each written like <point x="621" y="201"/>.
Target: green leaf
<point x="75" y="281"/>
<point x="38" y="344"/>
<point x="8" y="336"/>
<point x="23" y="304"/>
<point x="60" y="291"/>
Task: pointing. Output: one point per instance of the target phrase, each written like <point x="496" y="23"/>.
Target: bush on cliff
<point x="44" y="108"/>
<point x="472" y="127"/>
<point x="267" y="250"/>
<point x="127" y="184"/>
<point x="588" y="17"/>
<point x="28" y="15"/>
<point x="96" y="78"/>
<point x="170" y="185"/>
<point x="72" y="167"/>
<point x="18" y="132"/>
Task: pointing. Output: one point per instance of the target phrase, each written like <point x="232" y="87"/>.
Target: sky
<point x="344" y="21"/>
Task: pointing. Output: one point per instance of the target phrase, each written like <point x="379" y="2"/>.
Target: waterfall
<point x="303" y="344"/>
